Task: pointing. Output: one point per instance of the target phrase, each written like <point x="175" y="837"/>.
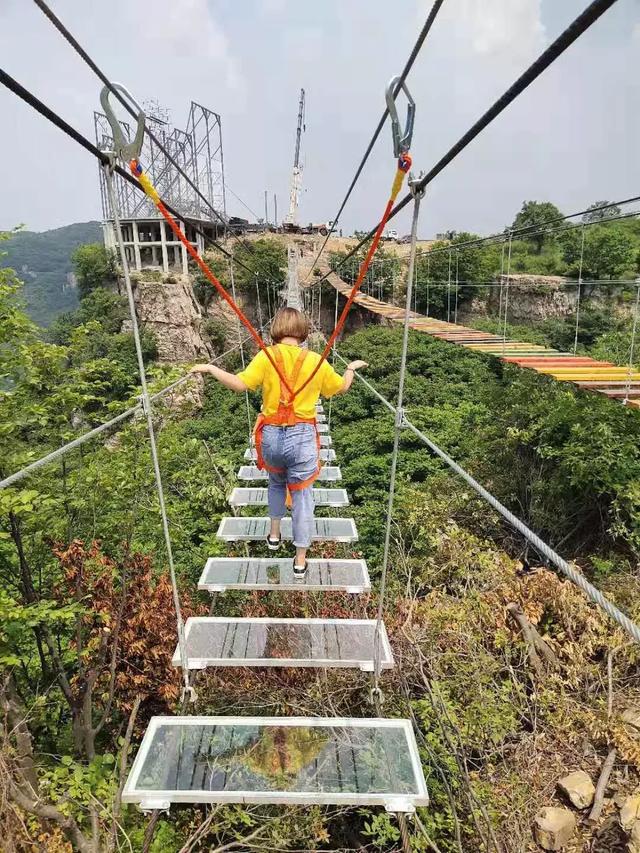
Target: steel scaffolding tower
<point x="198" y="152"/>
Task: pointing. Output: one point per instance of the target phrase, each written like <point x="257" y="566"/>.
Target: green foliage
<point x="266" y="256"/>
<point x="595" y="215"/>
<point x="94" y="267"/>
<point x="608" y="251"/>
<point x="533" y="213"/>
<point x="43" y="260"/>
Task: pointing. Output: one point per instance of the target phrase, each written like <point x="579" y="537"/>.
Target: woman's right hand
<point x="358" y="364"/>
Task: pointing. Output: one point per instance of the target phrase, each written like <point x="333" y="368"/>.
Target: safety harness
<point x="285" y="416"/>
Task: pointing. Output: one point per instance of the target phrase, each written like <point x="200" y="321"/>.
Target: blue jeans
<point x="294" y="449"/>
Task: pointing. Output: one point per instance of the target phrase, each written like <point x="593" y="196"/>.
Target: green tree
<point x="595" y="215"/>
<point x="533" y="214"/>
<point x="94" y="267"/>
<point x="608" y="252"/>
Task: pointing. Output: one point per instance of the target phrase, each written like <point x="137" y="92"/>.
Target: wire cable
<point x="540" y="546"/>
<point x="581" y="24"/>
<point x="55" y="119"/>
<point x="424" y="32"/>
<point x="82" y="53"/>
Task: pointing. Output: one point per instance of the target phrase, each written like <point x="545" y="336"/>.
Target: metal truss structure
<point x="198" y="152"/>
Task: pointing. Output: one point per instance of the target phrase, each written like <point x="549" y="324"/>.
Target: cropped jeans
<point x="294" y="449"/>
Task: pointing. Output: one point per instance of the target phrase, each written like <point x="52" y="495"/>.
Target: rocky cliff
<point x="172" y="313"/>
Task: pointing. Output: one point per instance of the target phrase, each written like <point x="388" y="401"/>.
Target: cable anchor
<point x="376" y="697"/>
<point x="125" y="150"/>
<point x="401" y="143"/>
<point x="401" y="418"/>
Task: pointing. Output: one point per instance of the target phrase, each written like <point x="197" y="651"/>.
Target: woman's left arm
<point x="229" y="380"/>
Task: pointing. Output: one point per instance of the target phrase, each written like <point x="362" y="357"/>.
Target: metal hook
<point x="401" y="144"/>
<point x="123" y="149"/>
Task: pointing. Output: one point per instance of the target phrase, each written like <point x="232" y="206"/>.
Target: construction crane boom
<point x="296" y="178"/>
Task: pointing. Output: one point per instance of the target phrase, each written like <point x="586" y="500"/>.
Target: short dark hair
<point x="290" y="323"/>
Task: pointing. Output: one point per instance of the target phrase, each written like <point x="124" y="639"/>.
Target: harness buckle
<point x="401" y="143"/>
<point x="125" y="150"/>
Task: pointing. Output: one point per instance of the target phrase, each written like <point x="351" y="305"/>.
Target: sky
<point x="572" y="138"/>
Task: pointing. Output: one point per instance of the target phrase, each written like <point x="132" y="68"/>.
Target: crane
<point x="296" y="178"/>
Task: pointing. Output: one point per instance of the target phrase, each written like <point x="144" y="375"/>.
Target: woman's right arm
<point x="350" y="373"/>
<point x="229" y="380"/>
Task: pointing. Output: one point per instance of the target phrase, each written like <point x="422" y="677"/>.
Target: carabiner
<point x="401" y="144"/>
<point x="121" y="148"/>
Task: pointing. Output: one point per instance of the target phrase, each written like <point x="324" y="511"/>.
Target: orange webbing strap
<point x="285" y="416"/>
<point x="150" y="190"/>
<point x="404" y="164"/>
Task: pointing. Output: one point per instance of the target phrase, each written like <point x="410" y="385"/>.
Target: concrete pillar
<point x="136" y="245"/>
<point x="163" y="238"/>
<point x="185" y="257"/>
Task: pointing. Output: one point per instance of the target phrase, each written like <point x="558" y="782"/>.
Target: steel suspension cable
<point x="399" y="419"/>
<point x="55" y="119"/>
<point x="96" y="431"/>
<point x="82" y="53"/>
<point x="424" y="32"/>
<point x="577" y="28"/>
<point x="539" y="545"/>
<point x="146" y="405"/>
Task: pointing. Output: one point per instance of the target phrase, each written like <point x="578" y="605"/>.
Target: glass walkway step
<point x="321" y="418"/>
<point x="323" y="428"/>
<point x="328" y="473"/>
<point x="258" y="497"/>
<point x="326" y="454"/>
<point x="251" y="529"/>
<point x="213" y="641"/>
<point x="278" y="761"/>
<point x="222" y="573"/>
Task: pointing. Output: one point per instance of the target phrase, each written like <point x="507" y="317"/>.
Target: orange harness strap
<point x="285" y="416"/>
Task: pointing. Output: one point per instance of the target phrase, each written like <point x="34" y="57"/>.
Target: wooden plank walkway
<point x="601" y="377"/>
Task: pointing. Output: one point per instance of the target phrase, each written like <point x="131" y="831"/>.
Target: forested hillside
<point x="511" y="678"/>
<point x="43" y="261"/>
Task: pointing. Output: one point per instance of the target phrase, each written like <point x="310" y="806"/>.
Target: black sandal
<point x="300" y="572"/>
<point x="273" y="544"/>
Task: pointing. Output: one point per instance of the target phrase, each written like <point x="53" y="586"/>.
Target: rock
<point x="554" y="827"/>
<point x="630" y="812"/>
<point x="173" y="314"/>
<point x="579" y="788"/>
<point x="633" y="846"/>
<point x="631" y="719"/>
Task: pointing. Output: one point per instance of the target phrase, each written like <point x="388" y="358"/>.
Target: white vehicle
<point x="392" y="234"/>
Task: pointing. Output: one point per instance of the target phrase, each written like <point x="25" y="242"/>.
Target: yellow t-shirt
<point x="259" y="373"/>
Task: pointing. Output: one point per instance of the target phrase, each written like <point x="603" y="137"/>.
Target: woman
<point x="286" y="434"/>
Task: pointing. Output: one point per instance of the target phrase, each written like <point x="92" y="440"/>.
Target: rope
<point x="575" y="339"/>
<point x="424" y="32"/>
<point x="403" y="166"/>
<point x="146" y="404"/>
<point x="633" y="343"/>
<point x="394" y="456"/>
<point x="404" y="833"/>
<point x="545" y="550"/>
